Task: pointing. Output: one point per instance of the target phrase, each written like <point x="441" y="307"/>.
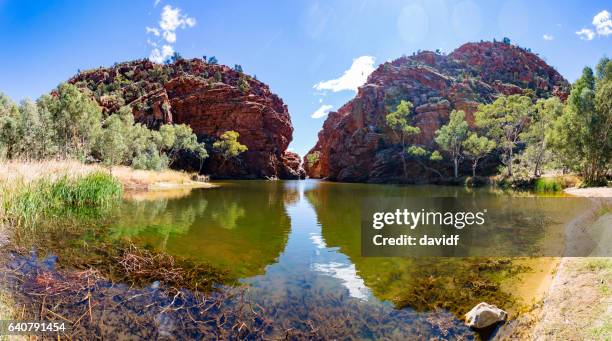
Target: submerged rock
<point x="484" y="315"/>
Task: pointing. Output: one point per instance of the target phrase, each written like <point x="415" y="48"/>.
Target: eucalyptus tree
<point x="450" y="138"/>
<point x="503" y="121"/>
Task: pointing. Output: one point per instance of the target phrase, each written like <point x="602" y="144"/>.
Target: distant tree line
<point x="70" y="124"/>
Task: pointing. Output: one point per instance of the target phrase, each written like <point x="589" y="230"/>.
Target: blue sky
<point x="291" y="45"/>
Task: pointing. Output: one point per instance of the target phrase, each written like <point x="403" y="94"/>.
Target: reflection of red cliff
<point x="355" y="143"/>
<point x="210" y="100"/>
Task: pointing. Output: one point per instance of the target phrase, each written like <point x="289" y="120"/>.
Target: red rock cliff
<point x="211" y="99"/>
<point x="355" y="143"/>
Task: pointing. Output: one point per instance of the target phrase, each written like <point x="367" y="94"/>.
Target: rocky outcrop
<point x="484" y="315"/>
<point x="355" y="144"/>
<point x="293" y="166"/>
<point x="211" y="99"/>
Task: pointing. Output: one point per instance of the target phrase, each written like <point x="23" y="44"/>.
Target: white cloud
<point x="171" y="19"/>
<point x="347" y="274"/>
<point x="152" y="30"/>
<point x="160" y="56"/>
<point x="586" y="34"/>
<point x="322" y="111"/>
<point x="547" y="36"/>
<point x="170" y="36"/>
<point x="603" y="23"/>
<point x="352" y="78"/>
<point x="602" y="26"/>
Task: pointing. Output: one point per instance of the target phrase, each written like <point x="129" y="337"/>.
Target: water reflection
<point x="242" y="230"/>
<point x="297" y="245"/>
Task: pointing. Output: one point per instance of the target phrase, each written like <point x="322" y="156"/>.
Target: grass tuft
<point x="24" y="204"/>
<point x="547" y="185"/>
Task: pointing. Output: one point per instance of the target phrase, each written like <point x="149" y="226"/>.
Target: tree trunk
<point x="403" y="157"/>
<point x="510" y="160"/>
<point x="456" y="162"/>
<point x="474" y="168"/>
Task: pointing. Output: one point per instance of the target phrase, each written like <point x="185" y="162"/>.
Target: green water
<point x="297" y="245"/>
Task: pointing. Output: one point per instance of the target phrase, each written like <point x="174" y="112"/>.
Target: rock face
<point x="211" y="99"/>
<point x="355" y="144"/>
<point x="484" y="315"/>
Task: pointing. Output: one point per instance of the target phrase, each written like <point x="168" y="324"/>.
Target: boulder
<point x="484" y="315"/>
<point x="293" y="166"/>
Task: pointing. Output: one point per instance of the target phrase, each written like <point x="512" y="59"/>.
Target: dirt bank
<point x="132" y="179"/>
<point x="577" y="304"/>
<point x="591" y="192"/>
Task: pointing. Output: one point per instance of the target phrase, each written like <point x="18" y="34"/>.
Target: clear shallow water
<point x="296" y="244"/>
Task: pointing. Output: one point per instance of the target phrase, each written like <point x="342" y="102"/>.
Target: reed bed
<point x="24" y="204"/>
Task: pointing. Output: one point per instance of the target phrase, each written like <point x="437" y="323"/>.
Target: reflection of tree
<point x="241" y="226"/>
<point x="450" y="283"/>
<point x="161" y="216"/>
<point x="228" y="217"/>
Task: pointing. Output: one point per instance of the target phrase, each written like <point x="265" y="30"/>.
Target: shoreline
<point x="134" y="183"/>
<point x="590" y="192"/>
<point x="577" y="302"/>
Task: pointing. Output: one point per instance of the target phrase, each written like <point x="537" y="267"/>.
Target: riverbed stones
<point x="484" y="315"/>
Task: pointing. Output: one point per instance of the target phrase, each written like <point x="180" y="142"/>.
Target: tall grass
<point x="547" y="185"/>
<point x="25" y="204"/>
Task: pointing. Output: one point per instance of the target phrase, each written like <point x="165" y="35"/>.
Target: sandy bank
<point x="591" y="192"/>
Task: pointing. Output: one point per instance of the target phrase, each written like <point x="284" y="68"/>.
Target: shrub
<point x="313" y="158"/>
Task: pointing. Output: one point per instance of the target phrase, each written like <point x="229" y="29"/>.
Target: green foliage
<point x="537" y="136"/>
<point x="9" y="115"/>
<point x="547" y="185"/>
<point x="417" y="151"/>
<point x="451" y="136"/>
<point x="76" y="120"/>
<point x="581" y="135"/>
<point x="228" y="145"/>
<point x="70" y="124"/>
<point x="113" y="144"/>
<point x="399" y="122"/>
<point x="213" y="60"/>
<point x="243" y="85"/>
<point x="476" y="147"/>
<point x="313" y="158"/>
<point x="503" y="121"/>
<point x="176" y="138"/>
<point x="435" y="156"/>
<point x="26" y="204"/>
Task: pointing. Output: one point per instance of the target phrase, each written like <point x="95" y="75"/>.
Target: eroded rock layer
<point x="355" y="144"/>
